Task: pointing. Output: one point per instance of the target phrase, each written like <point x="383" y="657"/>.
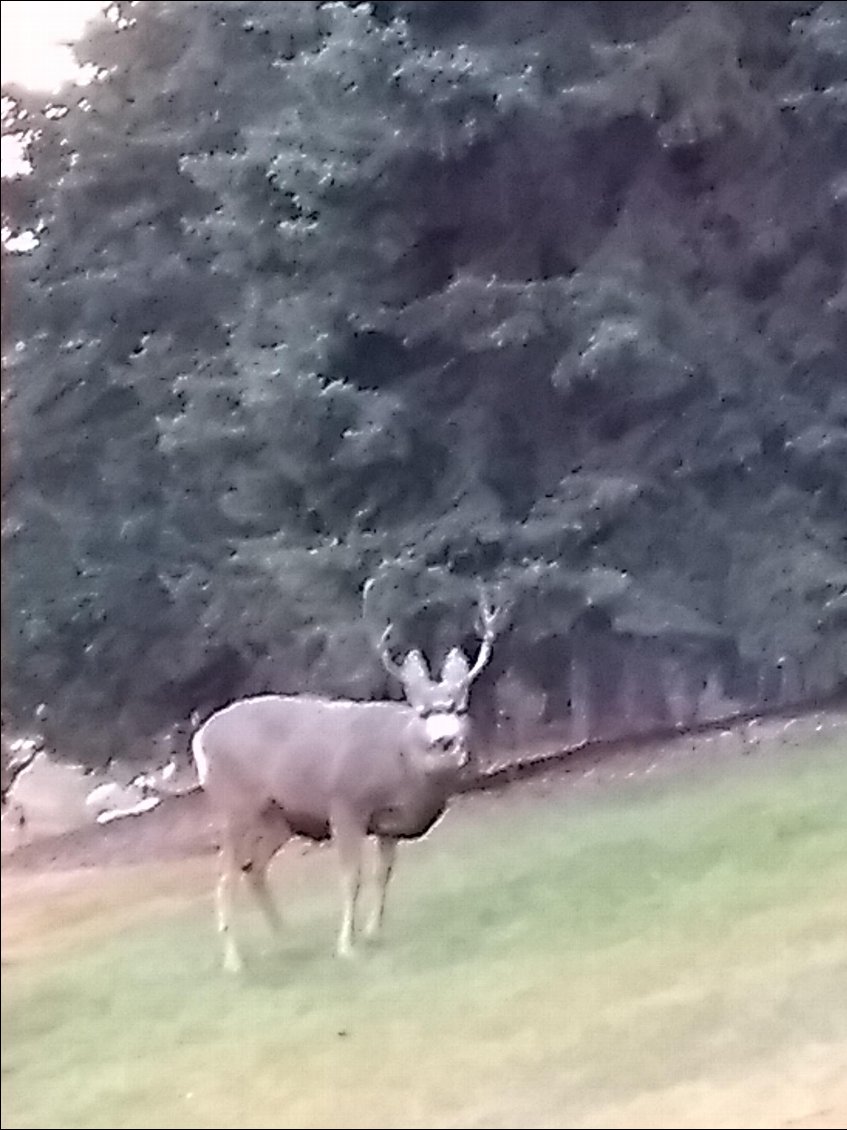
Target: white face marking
<point x="439" y="727"/>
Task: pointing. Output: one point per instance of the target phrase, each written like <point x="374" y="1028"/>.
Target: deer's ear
<point x="415" y="676"/>
<point x="454" y="670"/>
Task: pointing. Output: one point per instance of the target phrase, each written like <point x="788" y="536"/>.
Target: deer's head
<point x="441" y="730"/>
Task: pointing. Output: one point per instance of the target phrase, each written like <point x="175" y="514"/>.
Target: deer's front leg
<point x="349" y="837"/>
<point x="386" y="849"/>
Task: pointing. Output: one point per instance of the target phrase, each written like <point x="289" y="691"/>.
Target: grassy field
<point x="655" y="954"/>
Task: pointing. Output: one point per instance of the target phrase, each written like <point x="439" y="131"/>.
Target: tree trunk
<point x="677" y="697"/>
<point x="631" y="697"/>
<point x="580" y="701"/>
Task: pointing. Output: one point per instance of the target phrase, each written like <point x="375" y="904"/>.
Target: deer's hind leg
<point x="258" y="846"/>
<point x="247" y="848"/>
<point x="224" y="904"/>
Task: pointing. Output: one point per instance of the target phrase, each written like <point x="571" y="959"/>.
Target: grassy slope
<point x="652" y="955"/>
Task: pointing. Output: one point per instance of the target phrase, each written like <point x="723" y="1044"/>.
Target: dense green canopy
<point x="550" y="295"/>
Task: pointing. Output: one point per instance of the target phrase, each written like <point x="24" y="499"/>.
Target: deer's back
<point x="301" y="751"/>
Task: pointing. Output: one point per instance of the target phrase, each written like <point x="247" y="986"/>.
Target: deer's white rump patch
<point x="200" y="759"/>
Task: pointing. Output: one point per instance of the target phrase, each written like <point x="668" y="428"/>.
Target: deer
<point x="329" y="769"/>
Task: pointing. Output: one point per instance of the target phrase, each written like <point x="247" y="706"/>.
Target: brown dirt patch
<point x="182" y="827"/>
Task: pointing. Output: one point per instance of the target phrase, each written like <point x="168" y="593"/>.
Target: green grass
<point x="649" y="955"/>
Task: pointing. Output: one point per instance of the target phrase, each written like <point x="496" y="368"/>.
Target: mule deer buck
<point x="277" y="766"/>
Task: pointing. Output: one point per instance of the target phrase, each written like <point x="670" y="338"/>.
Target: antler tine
<point x="488" y="615"/>
<point x="392" y="667"/>
<point x="488" y="612"/>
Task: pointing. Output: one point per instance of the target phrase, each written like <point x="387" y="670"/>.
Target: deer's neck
<point x="416" y="806"/>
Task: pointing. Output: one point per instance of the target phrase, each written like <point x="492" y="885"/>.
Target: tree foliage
<point x="548" y="295"/>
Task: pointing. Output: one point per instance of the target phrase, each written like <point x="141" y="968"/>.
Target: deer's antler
<point x="381" y="642"/>
<point x="489" y="618"/>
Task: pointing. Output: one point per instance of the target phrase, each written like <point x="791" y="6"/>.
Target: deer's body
<point x="306" y="757"/>
<point x="276" y="766"/>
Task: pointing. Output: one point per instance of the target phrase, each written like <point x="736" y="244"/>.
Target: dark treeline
<point x="547" y="295"/>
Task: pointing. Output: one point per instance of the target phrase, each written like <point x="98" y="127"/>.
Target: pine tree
<point x="548" y="296"/>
